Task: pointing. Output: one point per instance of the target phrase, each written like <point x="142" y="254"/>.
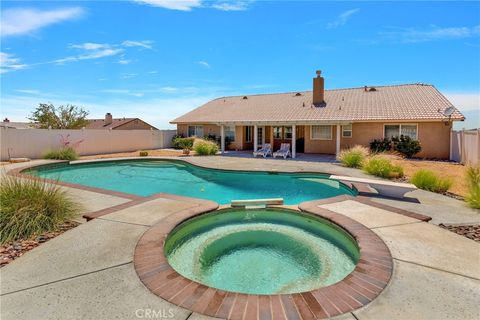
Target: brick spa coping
<point x="370" y="276"/>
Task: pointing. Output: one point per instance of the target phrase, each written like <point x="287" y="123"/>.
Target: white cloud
<point x="124" y="61"/>
<point x="182" y="5"/>
<point x="128" y="75"/>
<point x="204" y="64"/>
<point x="28" y="91"/>
<point x="433" y="33"/>
<point x="153" y="72"/>
<point x="231" y="5"/>
<point x="147" y="44"/>
<point x="8" y="62"/>
<point x="124" y="91"/>
<point x="90" y="46"/>
<point x="95" y="54"/>
<point x="23" y="21"/>
<point x="466" y="101"/>
<point x="342" y="19"/>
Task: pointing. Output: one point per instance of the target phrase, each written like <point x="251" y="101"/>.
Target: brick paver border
<point x="362" y="285"/>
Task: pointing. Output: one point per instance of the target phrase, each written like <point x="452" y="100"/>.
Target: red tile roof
<point x="396" y="102"/>
<point x="100" y="123"/>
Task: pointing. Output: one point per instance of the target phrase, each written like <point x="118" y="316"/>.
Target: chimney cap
<point x="319" y="73"/>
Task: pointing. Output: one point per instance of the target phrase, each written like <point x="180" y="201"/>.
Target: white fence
<point x="33" y="143"/>
<point x="465" y="146"/>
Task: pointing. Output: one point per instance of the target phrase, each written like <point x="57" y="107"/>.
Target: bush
<point x="31" y="207"/>
<point x="353" y="157"/>
<point x="205" y="148"/>
<point x="473" y="182"/>
<point x="407" y="146"/>
<point x="143" y="153"/>
<point x="61" y="154"/>
<point x="383" y="167"/>
<point x="183" y="143"/>
<point x="428" y="180"/>
<point x="380" y="145"/>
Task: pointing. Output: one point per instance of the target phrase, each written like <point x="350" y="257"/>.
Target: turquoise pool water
<point x="147" y="177"/>
<point x="262" y="251"/>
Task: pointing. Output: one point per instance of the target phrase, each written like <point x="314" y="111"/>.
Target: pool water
<point x="147" y="177"/>
<point x="261" y="251"/>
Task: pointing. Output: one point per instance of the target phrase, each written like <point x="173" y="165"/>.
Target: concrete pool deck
<point x="88" y="272"/>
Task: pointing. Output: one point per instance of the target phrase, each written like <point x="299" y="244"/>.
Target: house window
<point x="347" y="131"/>
<point x="248" y="134"/>
<point x="287" y="133"/>
<point x="195" y="131"/>
<point x="321" y="132"/>
<point x="230" y="133"/>
<point x="277" y="132"/>
<point x="396" y="130"/>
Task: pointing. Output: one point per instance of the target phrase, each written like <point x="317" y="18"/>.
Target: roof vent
<point x="372" y="89"/>
<point x="245" y="98"/>
<point x="298" y="94"/>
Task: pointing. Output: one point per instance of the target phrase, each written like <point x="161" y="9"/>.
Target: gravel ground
<point x="469" y="231"/>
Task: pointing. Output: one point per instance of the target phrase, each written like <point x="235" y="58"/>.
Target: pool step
<point x="257" y="202"/>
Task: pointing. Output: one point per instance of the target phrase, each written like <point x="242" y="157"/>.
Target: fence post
<point x="462" y="146"/>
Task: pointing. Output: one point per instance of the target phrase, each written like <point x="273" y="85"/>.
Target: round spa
<point x="261" y="251"/>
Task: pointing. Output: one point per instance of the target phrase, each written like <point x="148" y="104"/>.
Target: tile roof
<point x="396" y="102"/>
<point x="100" y="123"/>
<point x="18" y="125"/>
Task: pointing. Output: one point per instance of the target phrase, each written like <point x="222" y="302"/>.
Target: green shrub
<point x="408" y="146"/>
<point x="205" y="148"/>
<point x="382" y="167"/>
<point x="353" y="157"/>
<point x="62" y="154"/>
<point x="428" y="180"/>
<point x="473" y="181"/>
<point x="183" y="143"/>
<point x="31" y="207"/>
<point x="143" y="153"/>
<point x="380" y="145"/>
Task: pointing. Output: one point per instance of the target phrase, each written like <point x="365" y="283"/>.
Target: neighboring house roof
<point x="396" y="102"/>
<point x="18" y="125"/>
<point x="100" y="123"/>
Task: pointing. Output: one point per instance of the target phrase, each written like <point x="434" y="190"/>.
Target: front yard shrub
<point x="353" y="157"/>
<point x="183" y="143"/>
<point x="62" y="154"/>
<point x="31" y="207"/>
<point x="408" y="146"/>
<point x="382" y="167"/>
<point x="430" y="181"/>
<point x="473" y="182"/>
<point x="143" y="153"/>
<point x="380" y="145"/>
<point x="205" y="148"/>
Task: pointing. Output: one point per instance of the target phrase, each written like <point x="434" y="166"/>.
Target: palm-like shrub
<point x="428" y="180"/>
<point x="31" y="207"/>
<point x="353" y="157"/>
<point x="382" y="167"/>
<point x="473" y="181"/>
<point x="205" y="147"/>
<point x="62" y="154"/>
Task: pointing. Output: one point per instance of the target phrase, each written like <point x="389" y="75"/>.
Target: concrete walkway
<point x="87" y="273"/>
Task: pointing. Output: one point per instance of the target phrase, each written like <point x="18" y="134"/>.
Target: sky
<point x="157" y="59"/>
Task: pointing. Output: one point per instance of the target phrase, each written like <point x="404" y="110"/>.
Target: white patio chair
<point x="284" y="151"/>
<point x="264" y="151"/>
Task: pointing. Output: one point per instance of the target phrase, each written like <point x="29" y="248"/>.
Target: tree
<point x="63" y="117"/>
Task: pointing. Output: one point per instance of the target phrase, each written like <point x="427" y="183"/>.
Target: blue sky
<point x="159" y="59"/>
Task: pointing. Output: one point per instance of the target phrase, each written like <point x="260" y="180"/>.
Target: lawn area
<point x="452" y="170"/>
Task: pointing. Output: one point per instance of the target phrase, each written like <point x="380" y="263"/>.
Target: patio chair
<point x="284" y="151"/>
<point x="264" y="151"/>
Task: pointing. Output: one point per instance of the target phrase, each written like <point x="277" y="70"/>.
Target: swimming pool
<point x="148" y="177"/>
<point x="261" y="251"/>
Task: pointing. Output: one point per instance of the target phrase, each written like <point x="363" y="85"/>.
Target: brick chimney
<point x="318" y="89"/>
<point x="108" y="118"/>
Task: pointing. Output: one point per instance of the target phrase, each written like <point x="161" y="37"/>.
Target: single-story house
<point x="118" y="123"/>
<point x="326" y="121"/>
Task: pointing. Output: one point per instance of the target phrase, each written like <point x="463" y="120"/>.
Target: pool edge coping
<point x="370" y="276"/>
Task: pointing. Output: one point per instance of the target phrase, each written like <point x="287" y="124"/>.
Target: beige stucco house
<point x="326" y="121"/>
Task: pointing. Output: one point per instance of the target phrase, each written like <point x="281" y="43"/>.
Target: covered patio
<point x="309" y="157"/>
